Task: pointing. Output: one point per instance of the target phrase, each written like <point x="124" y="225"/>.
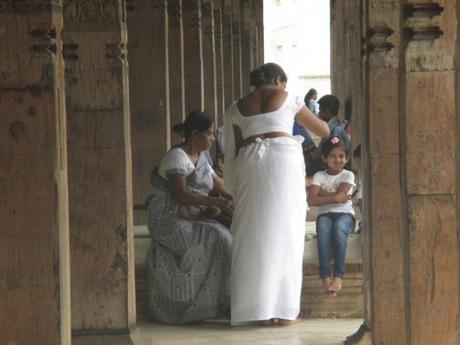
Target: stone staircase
<point x="347" y="304"/>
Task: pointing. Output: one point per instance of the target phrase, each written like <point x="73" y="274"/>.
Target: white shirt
<point x="331" y="183"/>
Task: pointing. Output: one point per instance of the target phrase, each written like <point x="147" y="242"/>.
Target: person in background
<point x="310" y="101"/>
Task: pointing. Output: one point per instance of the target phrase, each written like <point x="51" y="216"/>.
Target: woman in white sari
<point x="265" y="172"/>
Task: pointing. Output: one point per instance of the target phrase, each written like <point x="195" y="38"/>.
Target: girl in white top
<point x="331" y="190"/>
<point x="265" y="172"/>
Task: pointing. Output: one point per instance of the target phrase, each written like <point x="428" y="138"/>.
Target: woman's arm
<point x="182" y="196"/>
<point x="317" y="198"/>
<point x="219" y="187"/>
<point x="312" y="122"/>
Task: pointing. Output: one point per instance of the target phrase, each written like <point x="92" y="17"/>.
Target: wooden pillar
<point x="193" y="55"/>
<point x="413" y="178"/>
<point x="236" y="26"/>
<point x="34" y="246"/>
<point x="176" y="66"/>
<point x="219" y="46"/>
<point x="385" y="200"/>
<point x="246" y="43"/>
<point x="253" y="36"/>
<point x="227" y="37"/>
<point x="100" y="192"/>
<point x="149" y="91"/>
<point x="259" y="8"/>
<point x="209" y="58"/>
<point x="338" y="52"/>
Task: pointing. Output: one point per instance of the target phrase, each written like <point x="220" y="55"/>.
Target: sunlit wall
<point x="297" y="36"/>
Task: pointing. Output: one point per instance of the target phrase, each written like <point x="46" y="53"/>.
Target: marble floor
<point x="310" y="332"/>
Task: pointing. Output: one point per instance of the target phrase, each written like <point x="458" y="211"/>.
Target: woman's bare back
<point x="262" y="100"/>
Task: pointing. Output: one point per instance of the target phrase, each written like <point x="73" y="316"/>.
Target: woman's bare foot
<point x="270" y="322"/>
<point x="284" y="322"/>
<point x="336" y="284"/>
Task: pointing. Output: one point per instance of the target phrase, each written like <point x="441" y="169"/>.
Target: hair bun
<point x="257" y="77"/>
<point x="179" y="128"/>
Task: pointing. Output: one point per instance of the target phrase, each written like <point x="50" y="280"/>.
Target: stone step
<point x="347" y="304"/>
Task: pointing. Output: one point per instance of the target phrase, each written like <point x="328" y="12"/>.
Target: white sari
<point x="267" y="181"/>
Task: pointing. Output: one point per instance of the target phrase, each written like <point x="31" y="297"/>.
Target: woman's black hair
<point x="332" y="142"/>
<point x="196" y="121"/>
<point x="266" y="73"/>
<point x="309" y="95"/>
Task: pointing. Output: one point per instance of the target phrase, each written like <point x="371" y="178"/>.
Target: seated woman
<point x="189" y="259"/>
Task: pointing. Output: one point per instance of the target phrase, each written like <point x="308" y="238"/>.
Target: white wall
<point x="297" y="36"/>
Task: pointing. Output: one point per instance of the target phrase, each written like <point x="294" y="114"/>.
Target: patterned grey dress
<point x="189" y="260"/>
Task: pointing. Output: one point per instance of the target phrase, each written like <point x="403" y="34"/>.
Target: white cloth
<point x="268" y="185"/>
<point x="176" y="161"/>
<point x="280" y="120"/>
<point x="330" y="183"/>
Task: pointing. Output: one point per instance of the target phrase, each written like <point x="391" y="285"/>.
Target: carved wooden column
<point x="193" y="55"/>
<point x="34" y="246"/>
<point x="219" y="49"/>
<point x="209" y="58"/>
<point x="414" y="167"/>
<point x="227" y="38"/>
<point x="236" y="26"/>
<point x="149" y="90"/>
<point x="385" y="204"/>
<point x="176" y="66"/>
<point x="100" y="192"/>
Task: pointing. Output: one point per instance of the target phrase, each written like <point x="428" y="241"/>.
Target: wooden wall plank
<point x="383" y="110"/>
<point x="430" y="136"/>
<point x="434" y="281"/>
<point x="387" y="251"/>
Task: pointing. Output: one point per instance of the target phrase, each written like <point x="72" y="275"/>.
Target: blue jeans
<point x="332" y="230"/>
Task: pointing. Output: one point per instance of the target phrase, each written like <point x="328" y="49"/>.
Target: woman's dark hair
<point x="266" y="73"/>
<point x="330" y="103"/>
<point x="196" y="121"/>
<point x="309" y="95"/>
<point x="333" y="142"/>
